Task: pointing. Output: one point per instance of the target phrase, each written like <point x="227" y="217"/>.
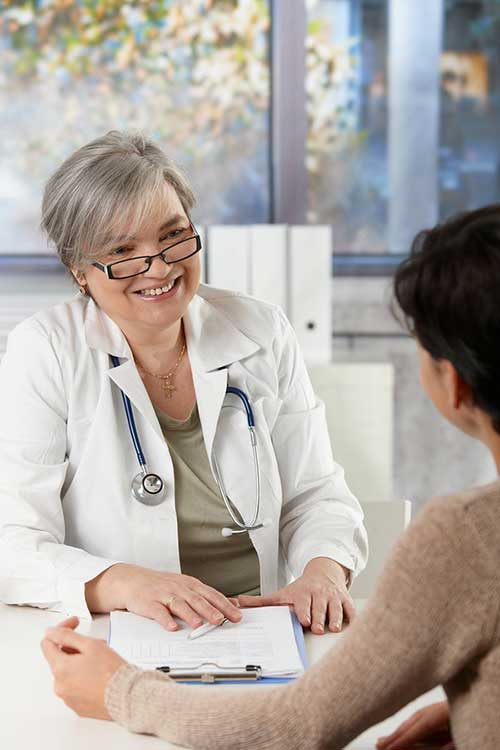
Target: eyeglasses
<point x="181" y="250"/>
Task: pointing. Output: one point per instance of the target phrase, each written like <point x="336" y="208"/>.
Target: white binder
<point x="204" y="254"/>
<point x="268" y="263"/>
<point x="229" y="257"/>
<point x="309" y="292"/>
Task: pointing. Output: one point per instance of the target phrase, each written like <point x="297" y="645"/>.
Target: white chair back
<point x="359" y="400"/>
<point x="385" y="522"/>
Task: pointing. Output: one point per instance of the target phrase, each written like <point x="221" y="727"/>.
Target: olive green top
<point x="229" y="564"/>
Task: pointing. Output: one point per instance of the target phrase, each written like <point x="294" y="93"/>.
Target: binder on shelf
<point x="228" y="257"/>
<point x="203" y="255"/>
<point x="268" y="263"/>
<point x="309" y="293"/>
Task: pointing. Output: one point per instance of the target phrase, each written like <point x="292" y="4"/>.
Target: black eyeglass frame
<point x="107" y="267"/>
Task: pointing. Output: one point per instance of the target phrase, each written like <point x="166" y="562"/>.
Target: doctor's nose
<point x="158" y="269"/>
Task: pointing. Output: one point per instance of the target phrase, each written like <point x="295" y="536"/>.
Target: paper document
<point x="264" y="637"/>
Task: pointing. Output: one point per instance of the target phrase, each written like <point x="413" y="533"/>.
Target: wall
<point x="431" y="457"/>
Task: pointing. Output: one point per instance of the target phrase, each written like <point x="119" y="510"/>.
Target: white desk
<point x="33" y="718"/>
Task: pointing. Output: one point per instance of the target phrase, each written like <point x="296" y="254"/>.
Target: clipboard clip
<point x="205" y="673"/>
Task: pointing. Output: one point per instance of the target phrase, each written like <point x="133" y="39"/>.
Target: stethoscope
<point x="149" y="488"/>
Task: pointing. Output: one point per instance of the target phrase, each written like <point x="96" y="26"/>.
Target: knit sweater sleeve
<point x="418" y="631"/>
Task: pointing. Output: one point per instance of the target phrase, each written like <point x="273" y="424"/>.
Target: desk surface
<point x="33" y="718"/>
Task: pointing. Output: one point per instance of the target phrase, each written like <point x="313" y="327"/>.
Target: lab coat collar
<point x="104" y="334"/>
<point x="213" y="341"/>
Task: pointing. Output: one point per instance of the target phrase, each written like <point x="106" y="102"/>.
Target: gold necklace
<point x="167" y="378"/>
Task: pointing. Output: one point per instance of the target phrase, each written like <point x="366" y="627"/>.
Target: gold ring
<point x="169" y="600"/>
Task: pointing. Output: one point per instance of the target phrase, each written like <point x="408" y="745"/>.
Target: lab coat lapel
<point x="103" y="334"/>
<point x="128" y="379"/>
<point x="214" y="343"/>
<point x="210" y="388"/>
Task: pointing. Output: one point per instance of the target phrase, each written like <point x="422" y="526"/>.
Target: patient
<point x="434" y="618"/>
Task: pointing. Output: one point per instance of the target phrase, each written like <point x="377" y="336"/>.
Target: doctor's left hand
<point x="82" y="668"/>
<point x="319" y="597"/>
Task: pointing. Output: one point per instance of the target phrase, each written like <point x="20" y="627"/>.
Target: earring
<point x="82" y="291"/>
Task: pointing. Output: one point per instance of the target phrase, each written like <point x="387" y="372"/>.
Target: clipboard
<point x="245" y="675"/>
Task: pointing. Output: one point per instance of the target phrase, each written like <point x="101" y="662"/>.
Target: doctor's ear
<point x="81" y="281"/>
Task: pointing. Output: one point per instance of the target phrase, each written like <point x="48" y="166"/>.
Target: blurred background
<point x="376" y="118"/>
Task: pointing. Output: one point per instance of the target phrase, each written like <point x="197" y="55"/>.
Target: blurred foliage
<point x="331" y="70"/>
<point x="193" y="74"/>
<point x="203" y="61"/>
<point x="340" y="189"/>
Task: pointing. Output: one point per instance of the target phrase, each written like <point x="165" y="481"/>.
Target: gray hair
<point x="113" y="182"/>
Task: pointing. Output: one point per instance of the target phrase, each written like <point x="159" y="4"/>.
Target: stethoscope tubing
<point x="246" y="403"/>
<point x="242" y="527"/>
<point x="131" y="422"/>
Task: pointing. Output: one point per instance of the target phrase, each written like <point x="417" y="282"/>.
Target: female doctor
<point x="130" y="477"/>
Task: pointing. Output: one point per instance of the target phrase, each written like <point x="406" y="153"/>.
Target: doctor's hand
<point x="429" y="725"/>
<point x="159" y="596"/>
<point x="82" y="668"/>
<point x="319" y="597"/>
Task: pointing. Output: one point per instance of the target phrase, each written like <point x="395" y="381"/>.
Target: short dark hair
<point x="449" y="292"/>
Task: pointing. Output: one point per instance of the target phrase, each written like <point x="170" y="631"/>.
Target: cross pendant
<point x="168" y="388"/>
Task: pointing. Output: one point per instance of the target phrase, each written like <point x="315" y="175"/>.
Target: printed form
<point x="264" y="637"/>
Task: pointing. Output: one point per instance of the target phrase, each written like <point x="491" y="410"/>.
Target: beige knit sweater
<point x="434" y="619"/>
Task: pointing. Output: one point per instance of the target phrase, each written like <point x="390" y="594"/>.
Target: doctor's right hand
<point x="158" y="596"/>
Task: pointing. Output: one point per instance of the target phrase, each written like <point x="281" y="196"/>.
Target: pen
<point x="207" y="628"/>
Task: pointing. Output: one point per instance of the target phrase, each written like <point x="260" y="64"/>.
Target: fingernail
<point x="320" y="628"/>
<point x="307" y="620"/>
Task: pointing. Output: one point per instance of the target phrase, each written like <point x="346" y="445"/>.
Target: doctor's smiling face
<point x="159" y="297"/>
<point x="115" y="200"/>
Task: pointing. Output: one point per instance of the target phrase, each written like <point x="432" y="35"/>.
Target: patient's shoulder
<point x="465" y="524"/>
<point x="478" y="505"/>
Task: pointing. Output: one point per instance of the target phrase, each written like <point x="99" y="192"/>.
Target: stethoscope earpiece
<point x="227" y="531"/>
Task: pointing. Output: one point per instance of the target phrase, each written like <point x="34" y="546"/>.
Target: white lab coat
<point x="67" y="460"/>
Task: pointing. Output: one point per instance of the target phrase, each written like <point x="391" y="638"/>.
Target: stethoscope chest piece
<point x="148" y="489"/>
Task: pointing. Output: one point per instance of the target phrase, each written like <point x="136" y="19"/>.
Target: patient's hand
<point x="319" y="597"/>
<point x="82" y="668"/>
<point x="430" y="725"/>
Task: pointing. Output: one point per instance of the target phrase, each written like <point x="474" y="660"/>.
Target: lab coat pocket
<point x="303" y="448"/>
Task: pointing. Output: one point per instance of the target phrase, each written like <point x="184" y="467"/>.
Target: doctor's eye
<point x="119" y="251"/>
<point x="175" y="234"/>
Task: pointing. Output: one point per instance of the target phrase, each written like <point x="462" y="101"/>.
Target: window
<point x="347" y="113"/>
<point x="404" y="114"/>
<point x="402" y="101"/>
<point x="193" y="74"/>
<point x="469" y="151"/>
